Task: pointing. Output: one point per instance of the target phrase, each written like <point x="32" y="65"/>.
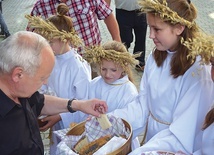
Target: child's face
<point x="110" y="71"/>
<point x="165" y="36"/>
<point x="56" y="46"/>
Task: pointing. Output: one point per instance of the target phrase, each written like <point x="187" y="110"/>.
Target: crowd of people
<point x="48" y="72"/>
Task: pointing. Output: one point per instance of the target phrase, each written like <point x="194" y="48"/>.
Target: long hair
<point x="180" y="63"/>
<point x="209" y="119"/>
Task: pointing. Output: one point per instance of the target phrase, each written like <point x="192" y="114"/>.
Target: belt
<point x="159" y="121"/>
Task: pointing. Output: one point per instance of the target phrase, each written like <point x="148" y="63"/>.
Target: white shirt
<point x="181" y="102"/>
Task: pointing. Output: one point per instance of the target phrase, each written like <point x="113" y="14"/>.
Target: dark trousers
<point x="129" y="22"/>
<point x="1" y="7"/>
<point x="4" y="28"/>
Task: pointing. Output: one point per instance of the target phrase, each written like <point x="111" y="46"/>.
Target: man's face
<point x="28" y="84"/>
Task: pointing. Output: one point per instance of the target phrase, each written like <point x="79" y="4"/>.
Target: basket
<point x="125" y="149"/>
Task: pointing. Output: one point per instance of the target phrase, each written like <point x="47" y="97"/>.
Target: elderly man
<point x="26" y="61"/>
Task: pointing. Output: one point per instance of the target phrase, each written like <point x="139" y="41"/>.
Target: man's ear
<point x="179" y="29"/>
<point x="17" y="74"/>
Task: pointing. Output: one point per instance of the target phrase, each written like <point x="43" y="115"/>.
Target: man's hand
<point x="93" y="107"/>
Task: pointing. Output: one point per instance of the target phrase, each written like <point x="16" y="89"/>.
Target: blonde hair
<point x="166" y="10"/>
<point x="56" y="27"/>
<point x="111" y="51"/>
<point x="193" y="41"/>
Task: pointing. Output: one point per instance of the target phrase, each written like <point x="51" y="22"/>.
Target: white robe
<point x="117" y="95"/>
<point x="208" y="141"/>
<point x="70" y="76"/>
<point x="207" y="147"/>
<point x="182" y="102"/>
<point x="69" y="79"/>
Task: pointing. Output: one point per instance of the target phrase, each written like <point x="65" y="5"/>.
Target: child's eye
<point x="103" y="69"/>
<point x="156" y="29"/>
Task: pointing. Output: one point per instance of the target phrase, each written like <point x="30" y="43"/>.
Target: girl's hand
<point x="51" y="121"/>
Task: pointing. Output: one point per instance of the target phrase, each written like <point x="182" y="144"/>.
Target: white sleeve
<point x="184" y="133"/>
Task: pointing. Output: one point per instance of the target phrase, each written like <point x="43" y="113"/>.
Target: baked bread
<point x="104" y="122"/>
<point x="94" y="146"/>
<point x="81" y="143"/>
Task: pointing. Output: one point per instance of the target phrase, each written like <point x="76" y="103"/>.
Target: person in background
<point x="71" y="74"/>
<point x="176" y="89"/>
<point x="207" y="147"/>
<point x="26" y="61"/>
<point x="4" y="30"/>
<point x="131" y="20"/>
<point x="207" y="55"/>
<point x="85" y="15"/>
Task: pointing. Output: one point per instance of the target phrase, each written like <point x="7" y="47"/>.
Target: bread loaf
<point x="94" y="146"/>
<point x="81" y="143"/>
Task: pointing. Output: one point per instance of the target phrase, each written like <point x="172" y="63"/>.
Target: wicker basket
<point x="125" y="149"/>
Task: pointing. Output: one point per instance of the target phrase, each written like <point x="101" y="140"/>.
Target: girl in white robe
<point x="207" y="147"/>
<point x="71" y="74"/>
<point x="176" y="90"/>
<point x="115" y="83"/>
